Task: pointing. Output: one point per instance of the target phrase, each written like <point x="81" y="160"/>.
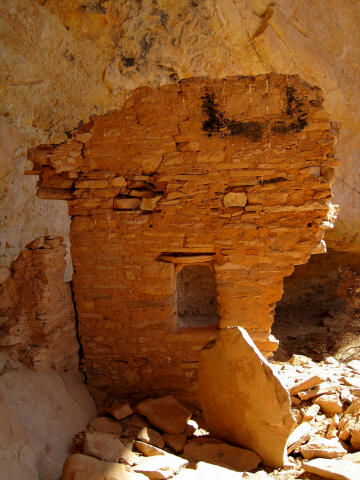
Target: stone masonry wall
<point x="37" y="318"/>
<point x="232" y="173"/>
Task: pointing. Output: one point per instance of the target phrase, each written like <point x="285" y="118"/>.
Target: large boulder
<point x="243" y="400"/>
<point x="40" y="414"/>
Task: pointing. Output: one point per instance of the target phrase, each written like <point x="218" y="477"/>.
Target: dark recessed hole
<point x="196" y="297"/>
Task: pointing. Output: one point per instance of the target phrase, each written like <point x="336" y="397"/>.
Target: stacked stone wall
<point x="233" y="174"/>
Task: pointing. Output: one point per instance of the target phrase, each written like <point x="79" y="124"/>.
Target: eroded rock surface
<point x="41" y="413"/>
<point x="37" y="324"/>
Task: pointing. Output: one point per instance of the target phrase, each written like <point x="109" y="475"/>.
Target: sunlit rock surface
<point x="62" y="61"/>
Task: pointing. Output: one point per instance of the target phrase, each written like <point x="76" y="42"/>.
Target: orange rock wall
<point x="37" y="318"/>
<point x="234" y="174"/>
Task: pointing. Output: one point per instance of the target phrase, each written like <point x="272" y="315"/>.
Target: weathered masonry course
<point x="232" y="174"/>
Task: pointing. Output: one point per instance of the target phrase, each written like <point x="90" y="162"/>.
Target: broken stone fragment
<point x="160" y="467"/>
<point x="355" y="365"/>
<point x="188" y="474"/>
<point x="309" y="413"/>
<point x="323" y="448"/>
<point x="233" y="409"/>
<point x="235" y="199"/>
<point x="126" y="455"/>
<point x="329" y="404"/>
<point x="104" y="446"/>
<point x="316" y="391"/>
<point x="299" y="436"/>
<point x="165" y="413"/>
<point x="349" y="425"/>
<point x="159" y="464"/>
<point x="209" y="471"/>
<point x="120" y="411"/>
<point x="82" y="467"/>
<point x="260" y="475"/>
<point x="352" y="381"/>
<point x="306" y="384"/>
<point x="214" y="451"/>
<point x="339" y="469"/>
<point x="332" y="430"/>
<point x="106" y="425"/>
<point x="175" y="442"/>
<point x="297" y="415"/>
<point x="300" y="360"/>
<point x="149" y="435"/>
<point x="108" y="447"/>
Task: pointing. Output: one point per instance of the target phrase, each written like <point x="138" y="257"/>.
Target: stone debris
<point x="159" y="464"/>
<point x="299" y="436"/>
<point x="82" y="467"/>
<point x="209" y="471"/>
<point x="165" y="413"/>
<point x="175" y="442"/>
<point x="310" y="382"/>
<point x="120" y="411"/>
<point x="149" y="435"/>
<point x="104" y="446"/>
<point x="330" y="408"/>
<point x="329" y="403"/>
<point x="325" y="405"/>
<point x="159" y="467"/>
<point x="333" y="469"/>
<point x="106" y="425"/>
<point x="216" y="452"/>
<point x="323" y="448"/>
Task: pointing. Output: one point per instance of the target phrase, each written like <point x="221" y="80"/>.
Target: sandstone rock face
<point x="242" y="398"/>
<point x="265" y="139"/>
<point x="41" y="413"/>
<point x="37" y="311"/>
<point x="59" y="52"/>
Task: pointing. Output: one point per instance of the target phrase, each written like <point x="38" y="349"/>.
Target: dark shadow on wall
<point x="319" y="314"/>
<point x="196" y="297"/>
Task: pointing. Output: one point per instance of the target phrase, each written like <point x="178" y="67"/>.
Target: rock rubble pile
<point x="160" y="438"/>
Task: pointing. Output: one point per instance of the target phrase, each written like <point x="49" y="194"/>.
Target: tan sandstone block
<point x="229" y="396"/>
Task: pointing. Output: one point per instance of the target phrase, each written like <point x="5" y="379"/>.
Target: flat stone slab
<point x="158" y="464"/>
<point x="82" y="467"/>
<point x="106" y="425"/>
<point x="319" y="447"/>
<point x="243" y="399"/>
<point x="165" y="413"/>
<point x="339" y="469"/>
<point x="215" y="452"/>
<point x="148" y="435"/>
<point x="104" y="446"/>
